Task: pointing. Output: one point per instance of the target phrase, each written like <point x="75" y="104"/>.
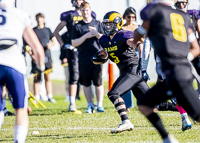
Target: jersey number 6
<point x="2" y="20"/>
<point x="179" y="31"/>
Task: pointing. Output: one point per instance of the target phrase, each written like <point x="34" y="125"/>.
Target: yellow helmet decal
<point x="112" y="18"/>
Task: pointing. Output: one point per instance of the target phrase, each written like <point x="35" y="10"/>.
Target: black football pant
<point x="127" y="81"/>
<point x="182" y="90"/>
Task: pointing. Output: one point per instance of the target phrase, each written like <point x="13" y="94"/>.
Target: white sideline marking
<point x="90" y="128"/>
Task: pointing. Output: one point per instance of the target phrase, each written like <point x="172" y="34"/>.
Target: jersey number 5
<point x="2" y="20"/>
<point x="116" y="59"/>
<point x="179" y="31"/>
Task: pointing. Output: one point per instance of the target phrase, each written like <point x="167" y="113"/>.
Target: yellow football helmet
<point x="112" y="22"/>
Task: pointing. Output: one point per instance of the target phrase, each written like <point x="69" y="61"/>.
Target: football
<point x="100" y="57"/>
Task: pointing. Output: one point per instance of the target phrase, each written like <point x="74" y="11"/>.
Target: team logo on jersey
<point x="110" y="43"/>
<point x="77" y="18"/>
<point x="110" y="49"/>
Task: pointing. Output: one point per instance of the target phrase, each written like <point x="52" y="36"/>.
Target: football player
<point x="68" y="52"/>
<point x="176" y="45"/>
<point x="195" y="21"/>
<point x="12" y="63"/>
<point x="117" y="43"/>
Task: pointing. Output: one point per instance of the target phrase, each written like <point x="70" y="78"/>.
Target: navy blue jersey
<point x="90" y="46"/>
<point x="71" y="18"/>
<point x="168" y="33"/>
<point x="194" y="16"/>
<point x="118" y="50"/>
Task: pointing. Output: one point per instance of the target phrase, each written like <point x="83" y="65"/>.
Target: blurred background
<point x="52" y="10"/>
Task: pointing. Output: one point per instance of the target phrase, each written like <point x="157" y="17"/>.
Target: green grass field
<point x="56" y="125"/>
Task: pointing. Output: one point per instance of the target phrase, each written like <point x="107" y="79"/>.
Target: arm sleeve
<point x="101" y="28"/>
<point x="64" y="16"/>
<point x="127" y="35"/>
<point x="75" y="33"/>
<point x="50" y="34"/>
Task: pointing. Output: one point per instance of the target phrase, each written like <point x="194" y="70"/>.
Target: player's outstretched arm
<point x="32" y="40"/>
<point x="57" y="30"/>
<point x="141" y="31"/>
<point x="195" y="49"/>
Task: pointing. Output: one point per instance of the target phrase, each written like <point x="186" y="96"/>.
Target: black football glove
<point x="145" y="76"/>
<point x="139" y="68"/>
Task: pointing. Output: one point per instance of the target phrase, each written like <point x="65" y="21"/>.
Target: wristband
<point x="190" y="56"/>
<point x="142" y="31"/>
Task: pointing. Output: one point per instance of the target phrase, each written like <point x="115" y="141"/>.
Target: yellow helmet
<point x="116" y="22"/>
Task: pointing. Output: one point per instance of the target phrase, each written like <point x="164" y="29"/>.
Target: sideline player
<point x="12" y="63"/>
<point x="68" y="52"/>
<point x="118" y="44"/>
<point x="169" y="31"/>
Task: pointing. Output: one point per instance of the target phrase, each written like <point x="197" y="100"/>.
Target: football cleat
<point x="52" y="100"/>
<point x="72" y="108"/>
<point x="126" y="125"/>
<point x="186" y="124"/>
<point x="90" y="110"/>
<point x="170" y="139"/>
<point x="100" y="109"/>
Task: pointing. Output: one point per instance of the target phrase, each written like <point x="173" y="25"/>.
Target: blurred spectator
<point x="130" y="25"/>
<point x="44" y="35"/>
<point x="85" y="35"/>
<point x="68" y="53"/>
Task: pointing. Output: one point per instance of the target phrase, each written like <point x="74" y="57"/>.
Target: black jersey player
<point x="69" y="53"/>
<point x="117" y="43"/>
<point x="175" y="44"/>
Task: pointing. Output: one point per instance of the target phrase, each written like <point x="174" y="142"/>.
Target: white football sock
<point x="20" y="133"/>
<point x="37" y="97"/>
<point x="1" y="118"/>
<point x="50" y="96"/>
<point x="99" y="104"/>
<point x="72" y="100"/>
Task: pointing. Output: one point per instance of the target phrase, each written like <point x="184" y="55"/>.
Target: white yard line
<point x="91" y="128"/>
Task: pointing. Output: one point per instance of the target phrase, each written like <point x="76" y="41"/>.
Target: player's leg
<point x="122" y="85"/>
<point x="66" y="82"/>
<point x="17" y="85"/>
<point x="97" y="81"/>
<point x="152" y="97"/>
<point x="48" y="85"/>
<point x="73" y="78"/>
<point x="85" y="70"/>
<point x="6" y="111"/>
<point x="1" y="109"/>
<point x="186" y="124"/>
<point x="36" y="87"/>
<point x="187" y="98"/>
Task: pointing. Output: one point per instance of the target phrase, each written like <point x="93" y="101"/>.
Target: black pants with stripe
<point x="127" y="81"/>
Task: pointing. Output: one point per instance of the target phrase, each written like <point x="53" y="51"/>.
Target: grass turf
<point x="56" y="125"/>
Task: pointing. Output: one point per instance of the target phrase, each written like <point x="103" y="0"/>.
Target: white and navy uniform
<point x="12" y="63"/>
